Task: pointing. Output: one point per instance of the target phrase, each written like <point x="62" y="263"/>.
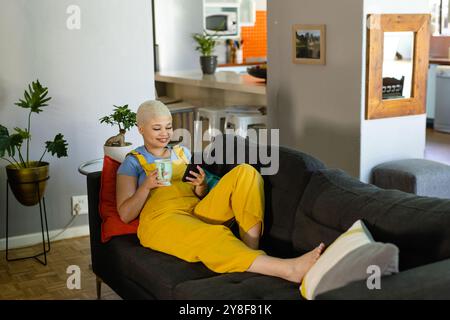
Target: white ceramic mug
<point x="164" y="169"/>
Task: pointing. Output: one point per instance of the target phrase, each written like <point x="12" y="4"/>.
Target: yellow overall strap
<point x="142" y="161"/>
<point x="179" y="151"/>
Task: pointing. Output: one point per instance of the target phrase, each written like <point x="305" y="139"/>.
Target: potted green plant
<point x="116" y="147"/>
<point x="205" y="45"/>
<point x="25" y="175"/>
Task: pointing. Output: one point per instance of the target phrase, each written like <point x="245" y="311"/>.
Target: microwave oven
<point x="222" y="21"/>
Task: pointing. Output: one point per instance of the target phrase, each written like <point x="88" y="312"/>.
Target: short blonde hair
<point x="150" y="109"/>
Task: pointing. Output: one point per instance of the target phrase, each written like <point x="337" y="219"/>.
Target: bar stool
<point x="251" y="109"/>
<point x="183" y="115"/>
<point x="241" y="122"/>
<point x="215" y="118"/>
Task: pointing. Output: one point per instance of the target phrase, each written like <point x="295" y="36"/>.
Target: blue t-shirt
<point x="131" y="166"/>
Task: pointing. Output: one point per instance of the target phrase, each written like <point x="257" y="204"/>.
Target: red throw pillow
<point x="111" y="223"/>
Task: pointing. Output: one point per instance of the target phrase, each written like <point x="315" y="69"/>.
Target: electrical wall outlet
<point x="79" y="205"/>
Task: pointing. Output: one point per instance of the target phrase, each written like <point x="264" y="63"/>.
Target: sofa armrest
<point x="95" y="223"/>
<point x="430" y="281"/>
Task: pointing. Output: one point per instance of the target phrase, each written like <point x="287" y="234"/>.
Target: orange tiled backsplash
<point x="255" y="38"/>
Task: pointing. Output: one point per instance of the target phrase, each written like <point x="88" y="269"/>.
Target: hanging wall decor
<point x="309" y="44"/>
<point x="397" y="65"/>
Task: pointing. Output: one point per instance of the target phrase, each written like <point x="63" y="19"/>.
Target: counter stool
<point x="252" y="109"/>
<point x="183" y="118"/>
<point x="241" y="122"/>
<point x="214" y="118"/>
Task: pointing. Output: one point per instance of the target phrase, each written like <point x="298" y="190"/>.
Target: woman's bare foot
<point x="301" y="265"/>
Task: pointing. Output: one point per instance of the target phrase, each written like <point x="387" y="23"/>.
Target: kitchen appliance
<point x="221" y="19"/>
<point x="442" y="113"/>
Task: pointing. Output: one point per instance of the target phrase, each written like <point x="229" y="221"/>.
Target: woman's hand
<point x="198" y="180"/>
<point x="152" y="182"/>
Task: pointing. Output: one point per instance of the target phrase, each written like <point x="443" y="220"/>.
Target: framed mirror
<point x="397" y="64"/>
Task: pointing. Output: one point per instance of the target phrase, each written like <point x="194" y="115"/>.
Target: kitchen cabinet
<point x="248" y="13"/>
<point x="431" y="91"/>
<point x="221" y="1"/>
<point x="442" y="102"/>
<point x="247" y="9"/>
<point x="440" y="14"/>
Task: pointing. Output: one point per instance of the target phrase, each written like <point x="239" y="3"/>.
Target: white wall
<point x="395" y="138"/>
<point x="261" y="5"/>
<point x="320" y="109"/>
<point x="175" y="22"/>
<point x="109" y="61"/>
<point x="317" y="108"/>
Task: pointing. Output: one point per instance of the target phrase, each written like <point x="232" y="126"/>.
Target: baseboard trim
<point x="36" y="238"/>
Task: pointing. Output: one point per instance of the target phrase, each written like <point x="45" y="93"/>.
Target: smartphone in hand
<point x="190" y="167"/>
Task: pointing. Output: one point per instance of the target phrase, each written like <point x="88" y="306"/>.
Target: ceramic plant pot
<point x="118" y="153"/>
<point x="208" y="64"/>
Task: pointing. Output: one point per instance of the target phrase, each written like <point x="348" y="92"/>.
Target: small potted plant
<point x="205" y="45"/>
<point x="26" y="177"/>
<point x="116" y="147"/>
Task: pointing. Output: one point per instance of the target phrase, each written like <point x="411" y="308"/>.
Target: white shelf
<point x="225" y="3"/>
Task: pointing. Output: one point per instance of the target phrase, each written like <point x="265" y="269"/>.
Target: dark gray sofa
<point x="306" y="203"/>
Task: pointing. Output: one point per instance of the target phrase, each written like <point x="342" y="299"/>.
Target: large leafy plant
<point x="34" y="100"/>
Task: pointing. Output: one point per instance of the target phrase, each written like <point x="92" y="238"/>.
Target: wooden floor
<point x="438" y="146"/>
<point x="28" y="279"/>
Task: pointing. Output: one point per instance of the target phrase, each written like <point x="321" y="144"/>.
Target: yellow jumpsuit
<point x="175" y="221"/>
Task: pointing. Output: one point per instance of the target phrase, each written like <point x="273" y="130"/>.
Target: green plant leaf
<point x="22" y="133"/>
<point x="5" y="143"/>
<point x="3" y="131"/>
<point x="58" y="146"/>
<point x="9" y="143"/>
<point x="17" y="139"/>
<point x="106" y="120"/>
<point x="122" y="117"/>
<point x="206" y="43"/>
<point x="35" y="98"/>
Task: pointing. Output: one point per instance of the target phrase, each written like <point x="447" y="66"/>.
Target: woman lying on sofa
<point x="186" y="219"/>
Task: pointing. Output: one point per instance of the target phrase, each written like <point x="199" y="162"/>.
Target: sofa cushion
<point x="429" y="282"/>
<point x="112" y="225"/>
<point x="347" y="260"/>
<point x="225" y="152"/>
<point x="157" y="272"/>
<point x="238" y="286"/>
<point x="333" y="201"/>
<point x="283" y="190"/>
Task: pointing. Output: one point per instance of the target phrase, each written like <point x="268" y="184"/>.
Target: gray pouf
<point x="418" y="176"/>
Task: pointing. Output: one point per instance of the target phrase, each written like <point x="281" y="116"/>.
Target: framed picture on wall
<point x="309" y="44"/>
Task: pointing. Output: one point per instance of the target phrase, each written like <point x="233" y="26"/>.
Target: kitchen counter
<point x="223" y="80"/>
<point x="242" y="64"/>
<point x="440" y="60"/>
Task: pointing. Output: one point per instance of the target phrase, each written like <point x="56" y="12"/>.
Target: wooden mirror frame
<point x="378" y="24"/>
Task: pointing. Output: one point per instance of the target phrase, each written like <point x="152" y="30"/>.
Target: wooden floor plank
<point x="29" y="280"/>
<point x="438" y="146"/>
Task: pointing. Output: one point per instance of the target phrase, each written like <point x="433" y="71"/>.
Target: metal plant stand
<point x="41" y="209"/>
